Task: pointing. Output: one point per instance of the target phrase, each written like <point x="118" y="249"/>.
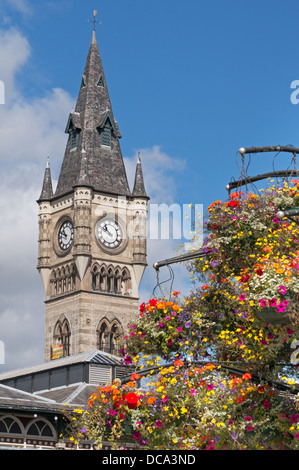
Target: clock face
<point x="109" y="233"/>
<point x="65" y="235"/>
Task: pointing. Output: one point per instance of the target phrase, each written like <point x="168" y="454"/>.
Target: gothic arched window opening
<point x="109" y="336"/>
<point x="74" y="137"/>
<point x="63" y="280"/>
<point x="112" y="280"/>
<point x="106" y="134"/>
<point x="62" y="335"/>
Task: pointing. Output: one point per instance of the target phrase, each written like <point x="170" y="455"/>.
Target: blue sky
<point x="190" y="83"/>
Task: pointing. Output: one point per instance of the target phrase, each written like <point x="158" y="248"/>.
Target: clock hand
<point x="106" y="230"/>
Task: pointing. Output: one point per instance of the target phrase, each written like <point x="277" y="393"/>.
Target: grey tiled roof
<point x="102" y="168"/>
<point x="11" y="398"/>
<point x="74" y="395"/>
<point x="93" y="357"/>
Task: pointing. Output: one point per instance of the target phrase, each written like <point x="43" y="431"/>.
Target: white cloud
<point x="160" y="172"/>
<point x="30" y="131"/>
<point x="14" y="53"/>
<point x="22" y="6"/>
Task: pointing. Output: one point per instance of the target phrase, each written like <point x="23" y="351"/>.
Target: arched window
<point x="63" y="280"/>
<point x="40" y="429"/>
<point x="125" y="282"/>
<point x="110" y="280"/>
<point x="62" y="335"/>
<point x="74" y="137"/>
<point x="103" y="279"/>
<point x="117" y="283"/>
<point x="110" y="333"/>
<point x="106" y="134"/>
<point x="103" y="337"/>
<point x="95" y="277"/>
<point x="9" y="425"/>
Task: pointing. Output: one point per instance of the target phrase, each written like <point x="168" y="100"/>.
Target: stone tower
<point x="92" y="229"/>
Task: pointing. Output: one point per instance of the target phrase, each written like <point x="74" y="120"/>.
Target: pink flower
<point x="263" y="303"/>
<point x="282" y="290"/>
<point x="281" y="307"/>
<point x="179" y="328"/>
<point x="159" y="423"/>
<point x="296" y="436"/>
<point x="248" y="418"/>
<point x="193" y="392"/>
<point x="210" y="387"/>
<point x="242" y="297"/>
<point x="273" y="302"/>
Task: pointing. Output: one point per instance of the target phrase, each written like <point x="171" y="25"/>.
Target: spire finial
<point x="94" y="21"/>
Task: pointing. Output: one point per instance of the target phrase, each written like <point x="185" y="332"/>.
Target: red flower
<point x="259" y="272"/>
<point x="132" y="400"/>
<point x="233" y="204"/>
<point x="153" y="302"/>
<point x="245" y="278"/>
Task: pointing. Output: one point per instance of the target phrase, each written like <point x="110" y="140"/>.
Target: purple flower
<point x="234" y="436"/>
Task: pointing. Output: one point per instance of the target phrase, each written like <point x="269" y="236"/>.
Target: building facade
<point x="92" y="229"/>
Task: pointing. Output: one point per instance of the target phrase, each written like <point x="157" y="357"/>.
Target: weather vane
<point x="94" y="21"/>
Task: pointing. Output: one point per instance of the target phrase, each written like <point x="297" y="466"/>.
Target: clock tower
<point x="92" y="229"/>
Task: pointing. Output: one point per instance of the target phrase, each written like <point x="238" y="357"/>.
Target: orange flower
<point x="246" y="376"/>
<point x="135" y="376"/>
<point x="161" y="305"/>
<point x="179" y="363"/>
<point x="151" y="400"/>
<point x="176" y="307"/>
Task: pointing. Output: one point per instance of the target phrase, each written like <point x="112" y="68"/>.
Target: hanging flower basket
<point x="254" y="246"/>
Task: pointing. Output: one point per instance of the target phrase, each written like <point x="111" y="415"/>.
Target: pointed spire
<point x="83" y="179"/>
<point x="47" y="189"/>
<point x="92" y="127"/>
<point x="139" y="188"/>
